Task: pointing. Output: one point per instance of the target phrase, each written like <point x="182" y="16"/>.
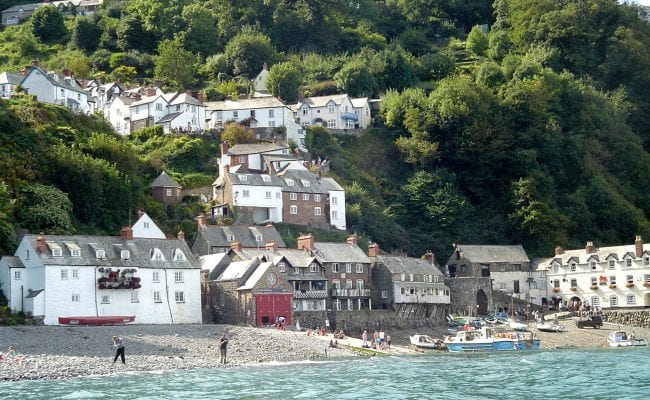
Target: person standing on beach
<point x="364" y="338"/>
<point x="223" y="348"/>
<point x="118" y="343"/>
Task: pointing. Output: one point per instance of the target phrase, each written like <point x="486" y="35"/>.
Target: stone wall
<point x="354" y="322"/>
<point x="639" y="319"/>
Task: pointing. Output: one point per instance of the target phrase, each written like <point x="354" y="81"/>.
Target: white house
<point x="337" y="111"/>
<point x="8" y="83"/>
<point x="606" y="277"/>
<point x="118" y="113"/>
<point x="50" y="87"/>
<point x="101" y="95"/>
<point x="184" y="114"/>
<point x="144" y="227"/>
<point x="148" y="111"/>
<point x="249" y="155"/>
<point x="155" y="280"/>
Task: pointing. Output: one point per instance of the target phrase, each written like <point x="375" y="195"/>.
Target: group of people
<point x="10" y="355"/>
<point x="380" y="341"/>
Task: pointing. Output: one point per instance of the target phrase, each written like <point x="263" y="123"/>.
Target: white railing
<point x="310" y="294"/>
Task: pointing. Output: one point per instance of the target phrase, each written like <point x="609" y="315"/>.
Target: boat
<point x="621" y="339"/>
<point x="97" y="320"/>
<point x="551" y="328"/>
<point x="488" y="339"/>
<point x="517" y="326"/>
<point x="426" y="342"/>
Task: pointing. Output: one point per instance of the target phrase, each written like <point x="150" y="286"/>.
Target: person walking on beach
<point x="118" y="343"/>
<point x="223" y="348"/>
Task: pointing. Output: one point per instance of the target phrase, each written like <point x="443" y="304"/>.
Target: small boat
<point x="621" y="339"/>
<point x="551" y="328"/>
<point x="517" y="326"/>
<point x="97" y="320"/>
<point x="487" y="339"/>
<point x="426" y="342"/>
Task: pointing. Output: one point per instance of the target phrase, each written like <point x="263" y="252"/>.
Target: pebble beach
<point x="59" y="352"/>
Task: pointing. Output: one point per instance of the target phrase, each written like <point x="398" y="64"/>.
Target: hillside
<point x="501" y="122"/>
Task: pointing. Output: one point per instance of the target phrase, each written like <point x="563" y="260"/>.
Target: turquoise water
<point x="566" y="374"/>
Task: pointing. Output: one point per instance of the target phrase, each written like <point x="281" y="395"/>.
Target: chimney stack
<point x="589" y="248"/>
<point x="226" y="169"/>
<point x="270" y="246"/>
<point x="201" y="220"/>
<point x="306" y="242"/>
<point x="373" y="250"/>
<point x="224" y="148"/>
<point x="36" y="63"/>
<point x="236" y="245"/>
<point x="352" y="240"/>
<point x="41" y="246"/>
<point x="559" y="251"/>
<point x="127" y="233"/>
<point x="181" y="235"/>
<point x="638" y="246"/>
<point x="430" y="257"/>
<point x="140" y="214"/>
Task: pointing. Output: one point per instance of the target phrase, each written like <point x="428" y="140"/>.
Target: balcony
<point x="349" y="116"/>
<point x="350" y="292"/>
<point x="310" y="294"/>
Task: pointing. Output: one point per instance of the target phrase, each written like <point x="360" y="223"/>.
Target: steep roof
<point x="147" y="100"/>
<point x="340" y="252"/>
<point x="305" y="181"/>
<point x="599" y="253"/>
<point x="169" y="117"/>
<point x="56" y="80"/>
<point x="217" y="235"/>
<point x="254" y="148"/>
<point x="141" y="251"/>
<point x="254" y="179"/>
<point x="11" y="78"/>
<point x="493" y="253"/>
<point x="359" y="102"/>
<point x="180" y="98"/>
<point x="238" y="269"/>
<point x="321" y="101"/>
<point x="256" y="276"/>
<point x="244" y="104"/>
<point x="408" y="265"/>
<point x="164" y="180"/>
<point x="12" y="262"/>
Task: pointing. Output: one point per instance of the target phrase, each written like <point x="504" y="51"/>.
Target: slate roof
<point x="164" y="180"/>
<point x="339" y="252"/>
<point x="255" y="276"/>
<point x="254" y="180"/>
<point x="13" y="262"/>
<point x="11" y="78"/>
<point x="408" y="265"/>
<point x="140" y="249"/>
<point x="169" y="117"/>
<point x="321" y="101"/>
<point x="254" y="148"/>
<point x="217" y="235"/>
<point x="315" y="184"/>
<point x="180" y="98"/>
<point x="61" y="82"/>
<point x="493" y="253"/>
<point x="238" y="269"/>
<point x="359" y="102"/>
<point x="147" y="100"/>
<point x="244" y="104"/>
<point x="599" y="254"/>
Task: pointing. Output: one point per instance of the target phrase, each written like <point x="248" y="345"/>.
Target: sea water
<point x="549" y="374"/>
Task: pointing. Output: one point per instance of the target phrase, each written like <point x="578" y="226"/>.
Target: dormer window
<point x="243" y="178"/>
<point x="628" y="262"/>
<point x="55" y="249"/>
<point x="313" y="267"/>
<point x="258" y="238"/>
<point x="100" y="253"/>
<point x="289" y="181"/>
<point x="157" y="255"/>
<point x="305" y="183"/>
<point x="125" y="254"/>
<point x="231" y="238"/>
<point x="281" y="267"/>
<point x="573" y="266"/>
<point x="179" y="255"/>
<point x="266" y="178"/>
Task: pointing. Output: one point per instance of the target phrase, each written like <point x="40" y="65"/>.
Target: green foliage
<point x="85" y="34"/>
<point x="477" y="41"/>
<point x="73" y="60"/>
<point x="42" y="208"/>
<point x="234" y="133"/>
<point x="6" y="220"/>
<point x="247" y="52"/>
<point x="175" y="65"/>
<point x="47" y="25"/>
<point x="319" y="142"/>
<point x="356" y="79"/>
<point x="201" y="34"/>
<point x="284" y="81"/>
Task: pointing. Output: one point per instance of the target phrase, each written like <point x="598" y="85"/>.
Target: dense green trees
<point x="175" y="65"/>
<point x="47" y="24"/>
<point x="284" y="82"/>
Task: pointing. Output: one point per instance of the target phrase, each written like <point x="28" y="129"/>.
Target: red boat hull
<point x="101" y="320"/>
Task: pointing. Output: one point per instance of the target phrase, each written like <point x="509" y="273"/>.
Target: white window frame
<point x="134" y="296"/>
<point x="246" y="193"/>
<point x="155" y="276"/>
<point x="282" y="267"/>
<point x="573" y="267"/>
<point x="317" y="198"/>
<point x="317" y="211"/>
<point x="106" y="299"/>
<point x="305" y="196"/>
<point x="630" y="299"/>
<point x="75" y="273"/>
<point x="293" y="196"/>
<point x="628" y="263"/>
<point x="612" y="264"/>
<point x="335" y="268"/>
<point x="613" y="301"/>
<point x="179" y="277"/>
<point x="331" y="108"/>
<point x="75" y="298"/>
<point x="157" y="298"/>
<point x="594" y="265"/>
<point x="18" y="275"/>
<point x="335" y="214"/>
<point x="293" y="209"/>
<point x="313" y="267"/>
<point x="64" y="274"/>
<point x="359" y="268"/>
<point x="267" y="195"/>
<point x="348" y="268"/>
<point x="384" y="293"/>
<point x="179" y="296"/>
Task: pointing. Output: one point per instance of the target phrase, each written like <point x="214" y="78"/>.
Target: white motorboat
<point x="426" y="342"/>
<point x="551" y="328"/>
<point x="486" y="339"/>
<point x="621" y="339"/>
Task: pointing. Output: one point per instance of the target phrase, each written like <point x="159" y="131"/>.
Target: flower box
<point x="573" y="289"/>
<point x="612" y="286"/>
<point x="630" y="285"/>
<point x="556" y="290"/>
<point x="646" y="284"/>
<point x="594" y="287"/>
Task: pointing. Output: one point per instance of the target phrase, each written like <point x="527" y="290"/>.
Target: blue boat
<point x="487" y="339"/>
